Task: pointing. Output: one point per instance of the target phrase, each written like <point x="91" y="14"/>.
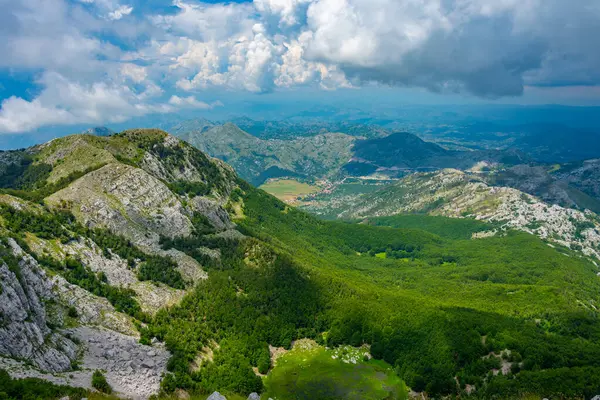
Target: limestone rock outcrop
<point x="24" y="330"/>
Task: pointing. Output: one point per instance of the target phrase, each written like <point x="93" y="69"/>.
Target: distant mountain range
<point x="330" y="154"/>
<point x="258" y="160"/>
<point x="543" y="142"/>
<point x="403" y="152"/>
<point x="99" y="131"/>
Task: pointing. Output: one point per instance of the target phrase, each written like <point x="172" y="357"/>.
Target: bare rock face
<point x="24" y="331"/>
<point x="92" y="309"/>
<point x="150" y="296"/>
<point x="216" y="396"/>
<point x="211" y="209"/>
<point x="128" y="201"/>
<point x="132" y="369"/>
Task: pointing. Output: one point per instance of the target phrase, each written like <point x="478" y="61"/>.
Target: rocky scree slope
<point x="458" y="194"/>
<point x="81" y="224"/>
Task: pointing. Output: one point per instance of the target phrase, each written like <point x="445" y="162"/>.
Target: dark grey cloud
<point x="142" y="53"/>
<point x="490" y="48"/>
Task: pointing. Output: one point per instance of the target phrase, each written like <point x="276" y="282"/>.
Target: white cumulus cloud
<point x="120" y="12"/>
<point x="63" y="102"/>
<point x="192" y="102"/>
<point x="104" y="48"/>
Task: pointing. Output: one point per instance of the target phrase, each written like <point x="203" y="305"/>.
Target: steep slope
<point x="25" y="333"/>
<point x="584" y="175"/>
<point x="87" y="267"/>
<point x="457" y="194"/>
<point x="445" y="315"/>
<point x="258" y="160"/>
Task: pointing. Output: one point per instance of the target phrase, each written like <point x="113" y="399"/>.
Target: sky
<point x="96" y="62"/>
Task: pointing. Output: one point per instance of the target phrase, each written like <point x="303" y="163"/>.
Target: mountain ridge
<point x="331" y="155"/>
<point x="253" y="157"/>
<point x="457" y="194"/>
<point x="171" y="275"/>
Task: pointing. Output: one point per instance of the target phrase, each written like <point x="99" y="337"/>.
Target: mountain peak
<point x="99" y="131"/>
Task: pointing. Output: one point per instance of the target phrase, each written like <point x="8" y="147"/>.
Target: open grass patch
<point x="343" y="373"/>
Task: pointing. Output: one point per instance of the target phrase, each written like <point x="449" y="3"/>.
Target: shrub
<point x="72" y="312"/>
<point x="99" y="383"/>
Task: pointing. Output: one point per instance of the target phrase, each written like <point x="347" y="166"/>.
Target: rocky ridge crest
<point x="141" y="185"/>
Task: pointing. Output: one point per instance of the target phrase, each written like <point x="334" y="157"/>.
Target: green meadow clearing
<point x="310" y="371"/>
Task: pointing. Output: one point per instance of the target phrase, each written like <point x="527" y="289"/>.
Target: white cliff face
<point x="24" y="330"/>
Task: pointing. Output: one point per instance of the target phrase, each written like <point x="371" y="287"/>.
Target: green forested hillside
<point x="498" y="317"/>
<point x="451" y="228"/>
<point x="435" y="308"/>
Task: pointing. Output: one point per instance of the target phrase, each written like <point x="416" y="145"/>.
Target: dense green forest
<point x="436" y="315"/>
<point x="451" y="228"/>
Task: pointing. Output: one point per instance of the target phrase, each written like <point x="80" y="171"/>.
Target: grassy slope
<point x="319" y="373"/>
